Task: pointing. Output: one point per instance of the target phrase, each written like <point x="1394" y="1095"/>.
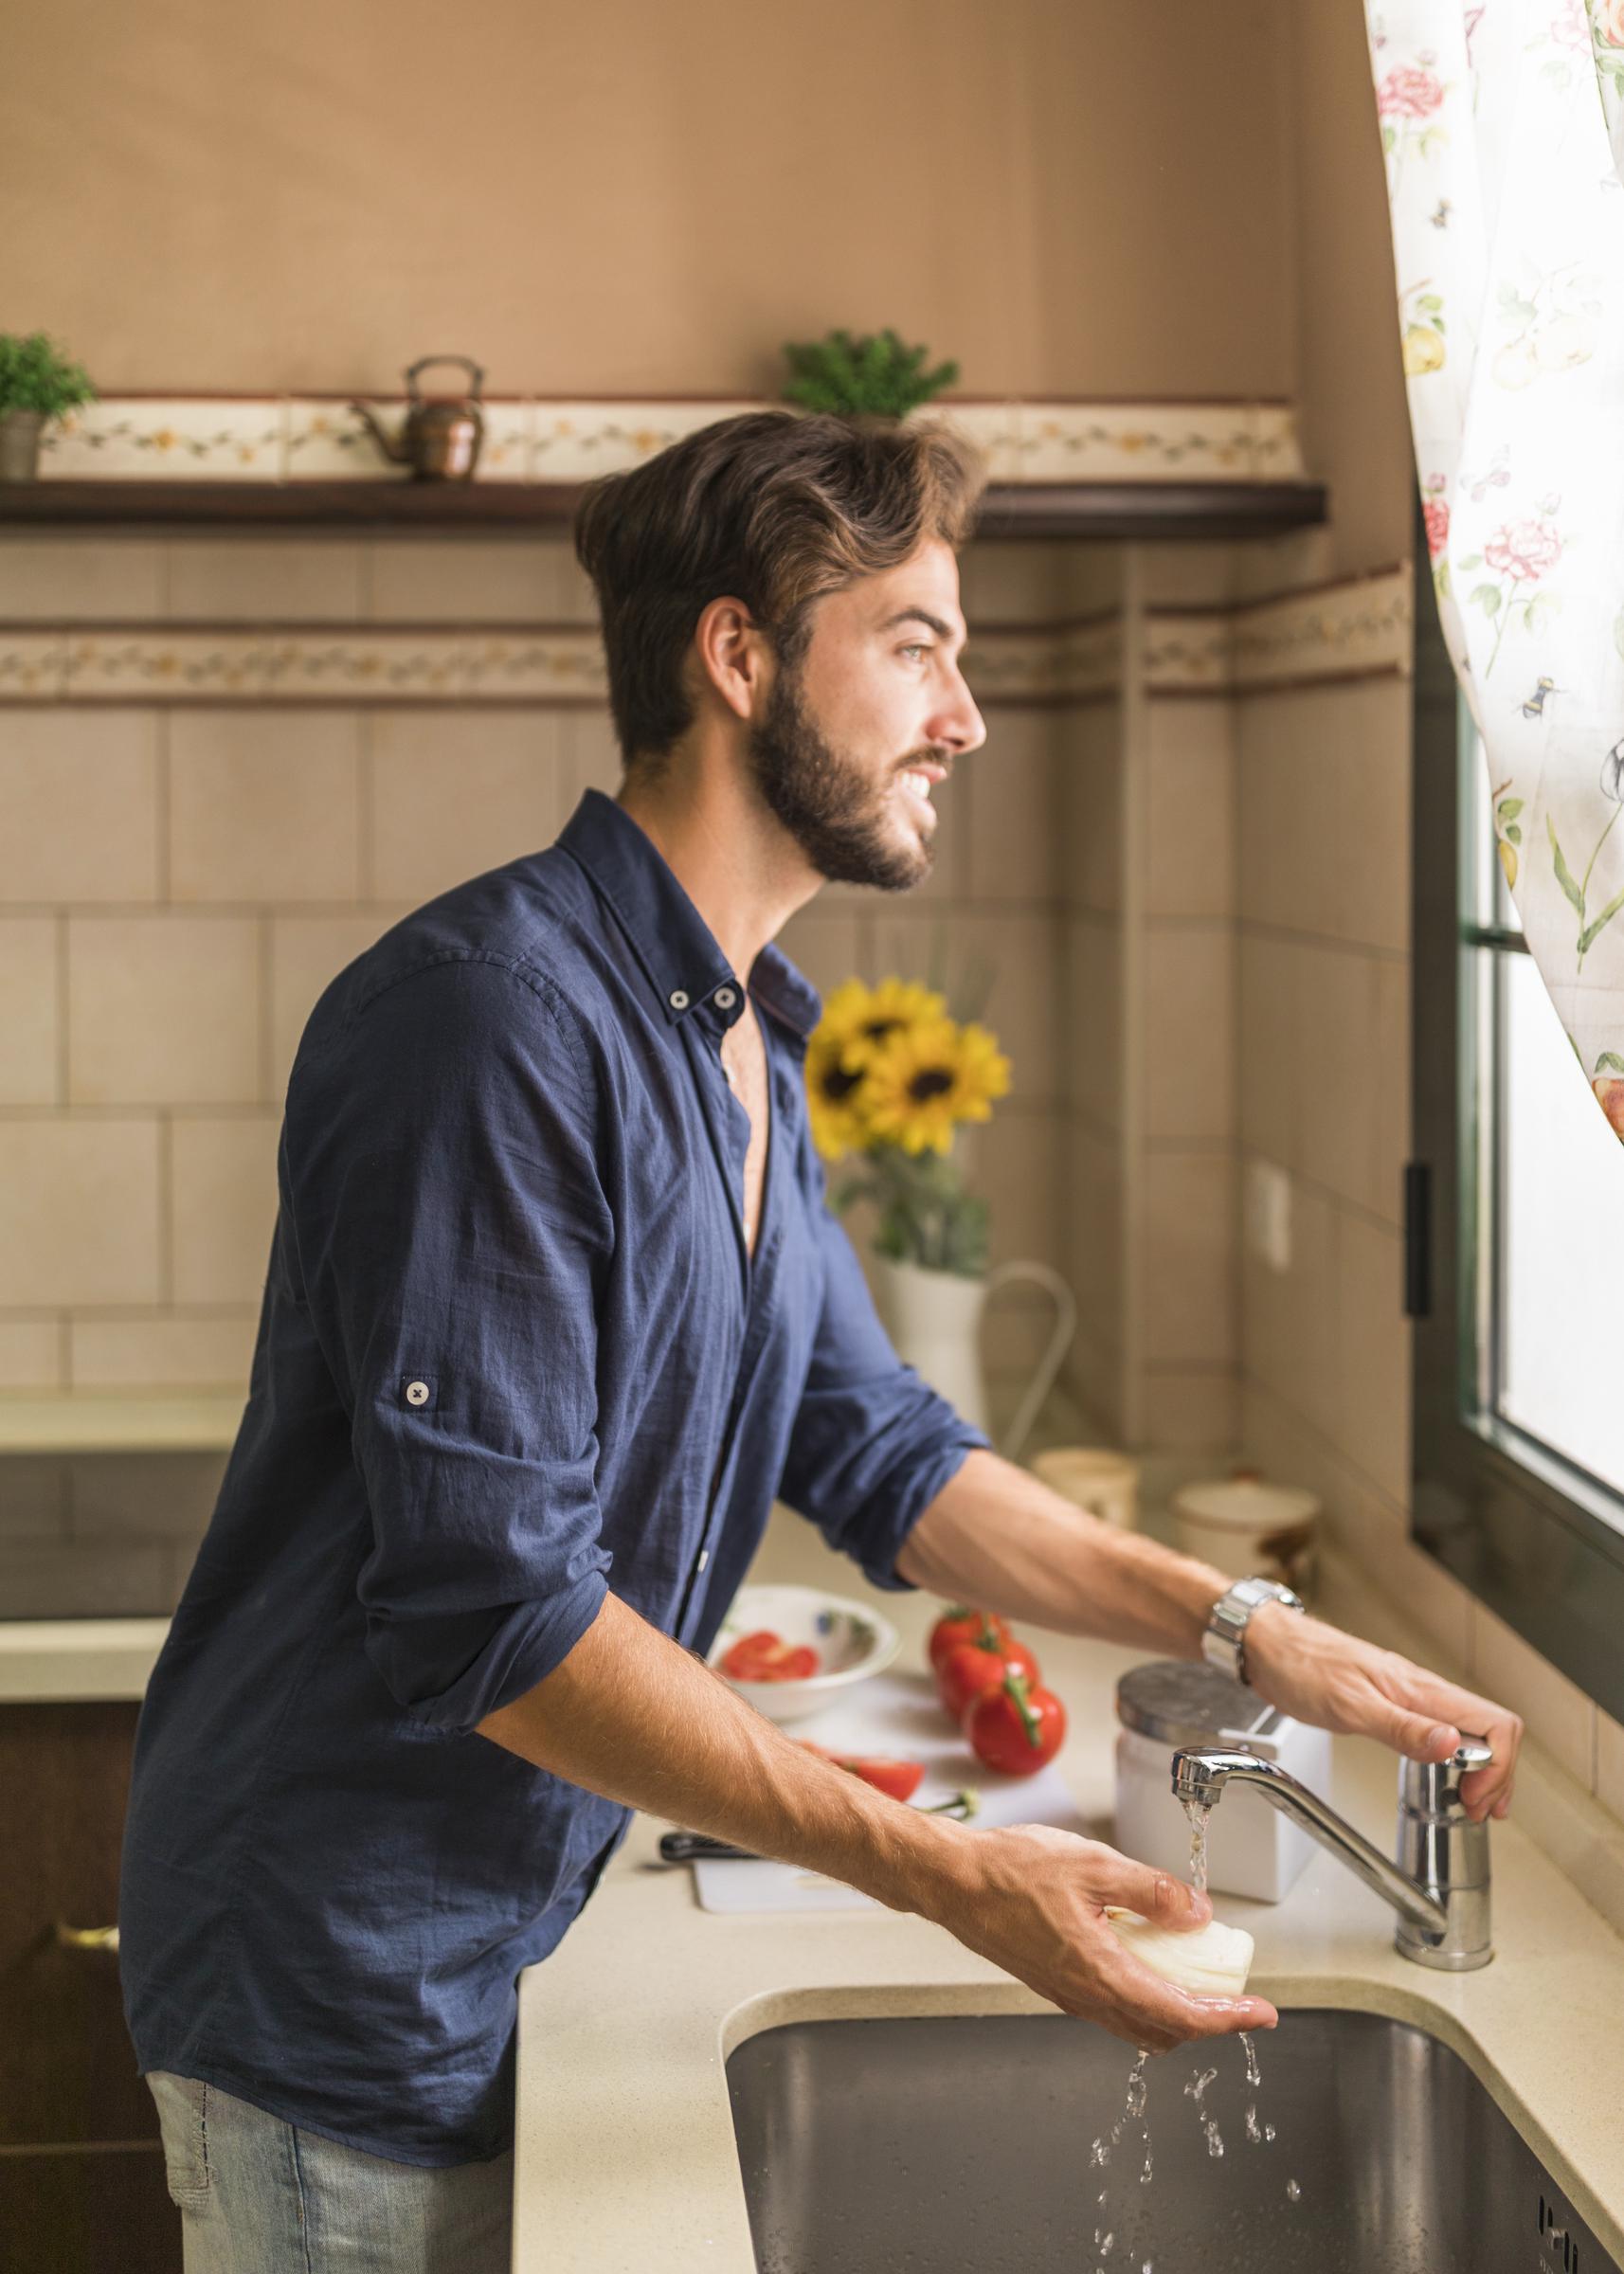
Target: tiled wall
<point x="178" y="879"/>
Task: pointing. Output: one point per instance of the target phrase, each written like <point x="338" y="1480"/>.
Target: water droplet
<point x="1253" y="2076"/>
<point x="1293" y="2191"/>
<point x="1253" y="2133"/>
<point x="1268" y="2131"/>
<point x="1215" y="2138"/>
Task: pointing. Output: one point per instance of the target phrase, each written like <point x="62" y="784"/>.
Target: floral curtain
<point x="1503" y="124"/>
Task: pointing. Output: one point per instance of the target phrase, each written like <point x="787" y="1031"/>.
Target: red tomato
<point x="1016" y="1728"/>
<point x="956" y="1626"/>
<point x="900" y="1778"/>
<point x="975" y="1667"/>
<point x="766" y="1657"/>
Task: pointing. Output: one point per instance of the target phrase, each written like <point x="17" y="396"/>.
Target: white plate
<point x="851" y="1641"/>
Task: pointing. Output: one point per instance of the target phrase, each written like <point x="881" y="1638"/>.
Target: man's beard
<point x="836" y="813"/>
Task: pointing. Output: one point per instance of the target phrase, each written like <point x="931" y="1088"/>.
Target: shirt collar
<point x="670" y="938"/>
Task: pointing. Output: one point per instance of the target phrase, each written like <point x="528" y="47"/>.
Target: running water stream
<point x="1138" y="2084"/>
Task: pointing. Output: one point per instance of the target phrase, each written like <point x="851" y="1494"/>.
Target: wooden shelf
<point x="1063" y="508"/>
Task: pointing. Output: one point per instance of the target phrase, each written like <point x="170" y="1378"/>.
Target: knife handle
<point x="697" y="1847"/>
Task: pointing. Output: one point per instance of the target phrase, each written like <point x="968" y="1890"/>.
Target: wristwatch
<point x="1224" y="1641"/>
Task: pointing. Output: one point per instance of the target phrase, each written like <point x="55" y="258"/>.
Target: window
<point x="1515" y="1234"/>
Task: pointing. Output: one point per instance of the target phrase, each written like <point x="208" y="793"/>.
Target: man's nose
<point x="959" y="723"/>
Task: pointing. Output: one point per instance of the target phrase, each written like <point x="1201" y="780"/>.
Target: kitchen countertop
<point x="625" y="2156"/>
<point x="63" y="1661"/>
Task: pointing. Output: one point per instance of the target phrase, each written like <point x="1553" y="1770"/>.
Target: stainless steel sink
<point x="951" y="2145"/>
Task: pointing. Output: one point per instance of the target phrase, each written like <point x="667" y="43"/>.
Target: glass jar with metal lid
<point x="1254" y="1851"/>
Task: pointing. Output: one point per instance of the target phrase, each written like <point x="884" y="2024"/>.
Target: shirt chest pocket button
<point x="417" y="1393"/>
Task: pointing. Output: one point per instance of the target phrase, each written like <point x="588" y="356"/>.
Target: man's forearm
<point x="998" y="1539"/>
<point x="632" y="1715"/>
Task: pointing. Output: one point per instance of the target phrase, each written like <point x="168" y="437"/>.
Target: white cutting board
<point x="893" y="1713"/>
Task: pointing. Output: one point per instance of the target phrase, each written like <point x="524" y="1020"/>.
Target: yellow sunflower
<point x="927" y="1079"/>
<point x="863" y="1019"/>
<point x="835" y="1096"/>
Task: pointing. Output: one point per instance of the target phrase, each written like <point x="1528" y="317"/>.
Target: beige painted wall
<point x="637" y="198"/>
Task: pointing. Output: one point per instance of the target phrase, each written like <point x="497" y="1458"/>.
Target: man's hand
<point x="1032" y="1900"/>
<point x="1317" y="1674"/>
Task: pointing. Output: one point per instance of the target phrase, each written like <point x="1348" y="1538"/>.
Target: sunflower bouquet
<point x="890" y="1076"/>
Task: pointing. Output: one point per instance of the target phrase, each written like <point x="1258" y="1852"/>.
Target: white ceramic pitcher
<point x="934" y="1321"/>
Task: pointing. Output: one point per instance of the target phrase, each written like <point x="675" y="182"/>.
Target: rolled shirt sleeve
<point x="872" y="1443"/>
<point x="452" y="1232"/>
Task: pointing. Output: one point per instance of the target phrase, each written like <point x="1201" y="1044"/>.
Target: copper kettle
<point x="441" y="440"/>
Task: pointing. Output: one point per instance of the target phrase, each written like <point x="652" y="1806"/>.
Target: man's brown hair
<point x="774" y="508"/>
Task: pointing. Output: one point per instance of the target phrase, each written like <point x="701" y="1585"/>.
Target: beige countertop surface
<point x="63" y="1661"/>
<point x="625" y="2157"/>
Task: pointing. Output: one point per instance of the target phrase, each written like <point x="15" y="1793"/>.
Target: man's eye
<point x="915" y="647"/>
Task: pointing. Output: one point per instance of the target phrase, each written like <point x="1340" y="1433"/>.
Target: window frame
<point x="1522" y="1528"/>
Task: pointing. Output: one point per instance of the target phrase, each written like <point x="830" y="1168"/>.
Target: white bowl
<point x="852" y="1642"/>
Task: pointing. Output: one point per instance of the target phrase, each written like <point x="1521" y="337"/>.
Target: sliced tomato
<point x="886" y="1772"/>
<point x="975" y="1667"/>
<point x="958" y="1625"/>
<point x="764" y="1657"/>
<point x="1016" y="1728"/>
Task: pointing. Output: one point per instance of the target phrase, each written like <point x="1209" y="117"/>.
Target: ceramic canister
<point x="1105" y="1482"/>
<point x="1249" y="1528"/>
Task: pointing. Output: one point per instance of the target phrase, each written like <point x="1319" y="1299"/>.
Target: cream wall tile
<point x="1023" y="1008"/>
<point x="1270" y="1081"/>
<point x="521" y="580"/>
<point x="222" y="1202"/>
<point x="456" y="793"/>
<point x="1559" y="1715"/>
<point x="31" y="1354"/>
<point x="1369" y="746"/>
<point x="592" y="757"/>
<point x="1187" y="1258"/>
<point x="164" y="1009"/>
<point x="80" y="793"/>
<point x="825" y="944"/>
<point x="33" y="1501"/>
<point x="1190" y="801"/>
<point x="1089" y="742"/>
<point x="1011" y="789"/>
<point x="165" y="1352"/>
<point x="29" y="1010"/>
<point x="1394" y="1133"/>
<point x="1183" y="576"/>
<point x="1610" y="1763"/>
<point x="263" y="805"/>
<point x="1092" y="575"/>
<point x="1091" y="1042"/>
<point x="1188" y="1030"/>
<point x="1012" y="1162"/>
<point x="1092" y="1215"/>
<point x="1187" y="1410"/>
<point x="1339" y="1103"/>
<point x="79" y="1210"/>
<point x="92" y="577"/>
<point x="1288" y="1319"/>
<point x="306" y="952"/>
<point x="1280" y="839"/>
<point x="1373" y="1364"/>
<point x="163" y="1496"/>
<point x="60" y="1580"/>
<point x="278" y="579"/>
<point x="1009" y="582"/>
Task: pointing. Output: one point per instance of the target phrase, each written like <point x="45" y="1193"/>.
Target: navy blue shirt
<point x="513" y="1352"/>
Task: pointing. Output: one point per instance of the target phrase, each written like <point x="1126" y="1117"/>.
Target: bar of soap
<point x="1212" y="1961"/>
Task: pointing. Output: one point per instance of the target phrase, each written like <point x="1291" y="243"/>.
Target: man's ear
<point x="733" y="657"/>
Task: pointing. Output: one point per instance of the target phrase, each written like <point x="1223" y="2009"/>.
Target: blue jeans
<point x="260" y="2196"/>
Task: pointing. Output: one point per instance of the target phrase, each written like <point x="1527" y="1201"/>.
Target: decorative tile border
<point x="1361" y="627"/>
<point x="1357" y="628"/>
<point x="298" y="437"/>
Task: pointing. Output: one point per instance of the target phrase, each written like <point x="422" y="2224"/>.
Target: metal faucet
<point x="1440" y="1885"/>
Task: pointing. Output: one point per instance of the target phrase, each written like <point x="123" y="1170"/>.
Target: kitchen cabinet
<point x="81" y="2172"/>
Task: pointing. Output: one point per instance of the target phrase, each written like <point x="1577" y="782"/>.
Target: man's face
<point x="877" y="712"/>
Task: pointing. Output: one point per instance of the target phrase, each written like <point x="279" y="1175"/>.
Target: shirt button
<point x="704" y="1557"/>
<point x="677" y="998"/>
<point x="725" y="999"/>
<point x="417" y="1393"/>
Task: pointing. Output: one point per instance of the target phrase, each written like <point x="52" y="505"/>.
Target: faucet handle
<point x="1431" y="1788"/>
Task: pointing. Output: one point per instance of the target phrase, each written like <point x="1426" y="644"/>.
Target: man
<point x="555" y="1308"/>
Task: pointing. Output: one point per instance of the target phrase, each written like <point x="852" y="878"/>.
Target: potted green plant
<point x="874" y="378"/>
<point x="37" y="384"/>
